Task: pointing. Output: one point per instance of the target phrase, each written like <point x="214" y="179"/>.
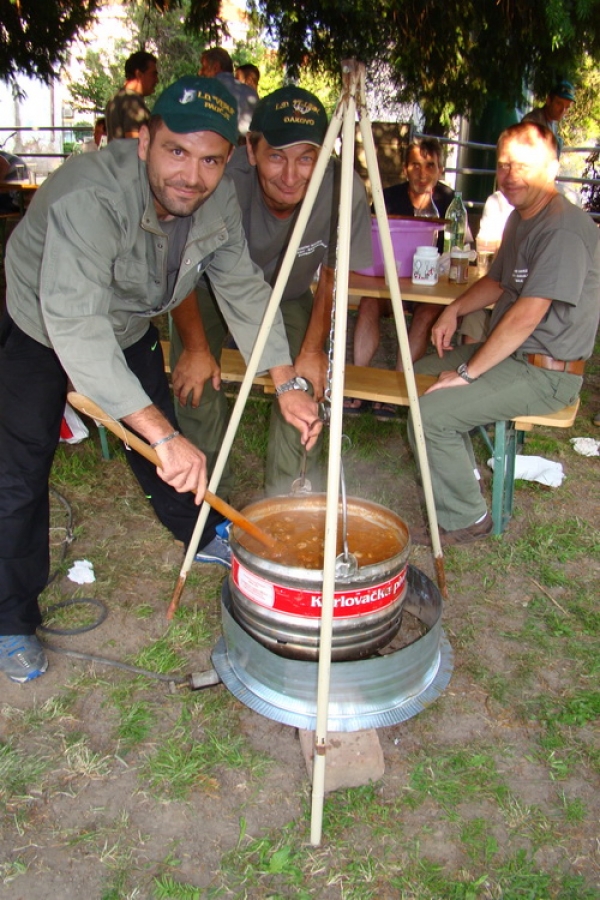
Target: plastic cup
<point x="484" y="261"/>
<point x="32" y="173"/>
<point x="20" y="172"/>
<point x="486" y="250"/>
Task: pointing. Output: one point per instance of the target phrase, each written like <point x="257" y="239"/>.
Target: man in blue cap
<point x="111" y="240"/>
<point x="271" y="175"/>
<point x="558" y="102"/>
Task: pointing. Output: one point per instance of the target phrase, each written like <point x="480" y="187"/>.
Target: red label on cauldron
<point x="359" y="601"/>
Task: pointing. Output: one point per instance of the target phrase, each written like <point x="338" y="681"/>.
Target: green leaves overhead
<point x="449" y="55"/>
<point x="35" y="34"/>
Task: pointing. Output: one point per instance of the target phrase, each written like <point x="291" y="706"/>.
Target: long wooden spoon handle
<point x="89" y="408"/>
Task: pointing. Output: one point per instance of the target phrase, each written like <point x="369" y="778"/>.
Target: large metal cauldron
<point x="280" y="605"/>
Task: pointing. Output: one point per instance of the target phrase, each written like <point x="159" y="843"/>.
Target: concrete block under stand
<point x="352" y="758"/>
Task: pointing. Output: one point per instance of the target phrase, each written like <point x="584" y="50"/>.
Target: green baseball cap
<point x="193" y="103"/>
<point x="564" y="90"/>
<point x="290" y="115"/>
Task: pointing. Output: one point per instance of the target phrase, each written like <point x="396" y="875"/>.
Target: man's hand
<point x="182" y="466"/>
<point x="300" y="410"/>
<point x="447" y="380"/>
<point x="443" y="331"/>
<point x="194" y="368"/>
<point x="313" y="366"/>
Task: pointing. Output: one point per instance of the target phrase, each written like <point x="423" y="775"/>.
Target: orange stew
<point x="301" y="537"/>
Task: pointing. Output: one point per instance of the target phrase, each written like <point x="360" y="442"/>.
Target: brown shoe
<point x="475" y="532"/>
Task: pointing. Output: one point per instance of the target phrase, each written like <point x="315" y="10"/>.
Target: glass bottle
<point x="456" y="224"/>
<point x="428" y="211"/>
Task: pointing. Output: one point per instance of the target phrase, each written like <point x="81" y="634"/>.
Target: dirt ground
<point x="95" y="816"/>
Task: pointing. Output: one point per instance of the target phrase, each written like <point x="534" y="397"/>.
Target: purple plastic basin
<point x="407" y="234"/>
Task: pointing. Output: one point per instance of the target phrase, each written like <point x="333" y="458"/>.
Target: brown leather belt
<point x="574" y="367"/>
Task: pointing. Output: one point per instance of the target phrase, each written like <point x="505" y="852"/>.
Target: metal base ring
<point x="366" y="693"/>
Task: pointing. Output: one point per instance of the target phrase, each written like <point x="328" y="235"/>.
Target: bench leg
<point x="104" y="442"/>
<point x="503" y="484"/>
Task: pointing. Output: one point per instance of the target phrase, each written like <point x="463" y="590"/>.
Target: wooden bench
<point x="508" y="438"/>
<point x="364" y="383"/>
<point x="389" y="386"/>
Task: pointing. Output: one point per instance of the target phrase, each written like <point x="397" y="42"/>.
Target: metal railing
<point x="66" y="136"/>
<point x="36" y="146"/>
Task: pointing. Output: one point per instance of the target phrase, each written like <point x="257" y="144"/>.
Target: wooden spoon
<point x="89" y="408"/>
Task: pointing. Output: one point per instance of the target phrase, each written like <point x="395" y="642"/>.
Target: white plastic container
<point x="425" y="266"/>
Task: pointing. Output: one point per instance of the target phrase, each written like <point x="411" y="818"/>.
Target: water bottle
<point x="456" y="224"/>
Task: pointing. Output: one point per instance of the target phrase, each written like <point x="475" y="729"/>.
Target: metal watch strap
<point x="294" y="384"/>
<point x="464" y="374"/>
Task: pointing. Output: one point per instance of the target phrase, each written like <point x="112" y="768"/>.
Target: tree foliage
<point x="101" y="79"/>
<point x="35" y="35"/>
<point x="450" y="55"/>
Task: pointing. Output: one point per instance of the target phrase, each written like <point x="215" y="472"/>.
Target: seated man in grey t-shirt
<point x="544" y="287"/>
<point x="271" y="175"/>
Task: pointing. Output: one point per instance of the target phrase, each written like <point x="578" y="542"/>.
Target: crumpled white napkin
<point x="536" y="468"/>
<point x="586" y="446"/>
<point x="82" y="572"/>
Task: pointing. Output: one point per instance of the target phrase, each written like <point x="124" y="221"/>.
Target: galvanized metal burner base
<point x="366" y="693"/>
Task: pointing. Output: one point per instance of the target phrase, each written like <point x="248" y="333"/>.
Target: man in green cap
<point x="558" y="102"/>
<point x="271" y="175"/>
<point x="111" y="240"/>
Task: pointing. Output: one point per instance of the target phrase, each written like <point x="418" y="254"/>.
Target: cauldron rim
<point x="315" y="576"/>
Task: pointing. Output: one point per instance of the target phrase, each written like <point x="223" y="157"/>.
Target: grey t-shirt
<point x="555" y="255"/>
<point x="177" y="230"/>
<point x="268" y="235"/>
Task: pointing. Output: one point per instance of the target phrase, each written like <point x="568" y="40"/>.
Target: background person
<point x="12" y="168"/>
<point x="544" y="286"/>
<point x="94" y="142"/>
<point x="558" y="102"/>
<point x="217" y="63"/>
<point x="271" y="175"/>
<point x="81" y="290"/>
<point x="126" y="112"/>
<point x="249" y="74"/>
<point x="423" y="170"/>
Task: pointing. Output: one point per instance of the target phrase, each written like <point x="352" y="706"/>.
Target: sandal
<point x="354" y="407"/>
<point x="384" y="412"/>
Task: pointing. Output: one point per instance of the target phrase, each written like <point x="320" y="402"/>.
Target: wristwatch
<point x="464" y="373"/>
<point x="294" y="384"/>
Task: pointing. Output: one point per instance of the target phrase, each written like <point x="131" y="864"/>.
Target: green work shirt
<point x="86" y="269"/>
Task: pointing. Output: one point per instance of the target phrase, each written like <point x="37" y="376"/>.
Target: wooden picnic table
<point x="442" y="293"/>
<point x="23" y="189"/>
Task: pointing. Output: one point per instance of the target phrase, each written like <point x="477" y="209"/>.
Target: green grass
<point x="167" y="888"/>
<point x="20" y="773"/>
<point x="490" y="794"/>
<point x="189" y="756"/>
<point x="450" y="779"/>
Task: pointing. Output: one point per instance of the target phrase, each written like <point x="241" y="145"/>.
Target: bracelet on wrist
<point x="164" y="440"/>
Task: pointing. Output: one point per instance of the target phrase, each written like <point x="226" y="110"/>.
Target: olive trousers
<point x="512" y="388"/>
